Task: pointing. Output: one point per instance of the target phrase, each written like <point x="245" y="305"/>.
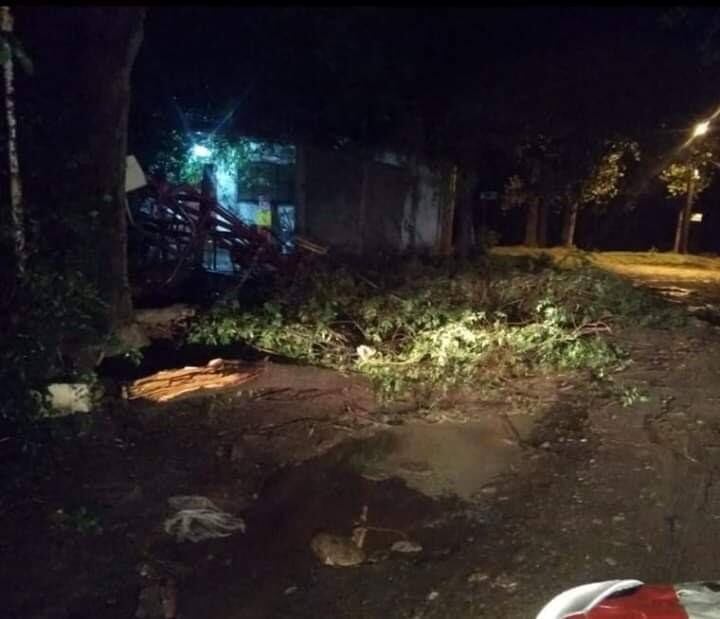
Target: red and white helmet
<point x="632" y="599"/>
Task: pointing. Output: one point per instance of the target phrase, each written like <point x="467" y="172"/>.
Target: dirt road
<point x="513" y="496"/>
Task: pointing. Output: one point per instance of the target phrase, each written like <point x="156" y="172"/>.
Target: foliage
<point x="518" y="193"/>
<point x="80" y="520"/>
<point x="534" y="178"/>
<point x="424" y="331"/>
<point x="569" y="172"/>
<point x="232" y="157"/>
<point x="631" y="395"/>
<point x="46" y="317"/>
<point x="603" y="182"/>
<point x="11" y="47"/>
<point x="676" y="175"/>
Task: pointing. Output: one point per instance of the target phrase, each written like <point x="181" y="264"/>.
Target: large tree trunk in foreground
<point x="17" y="215"/>
<point x="109" y="39"/>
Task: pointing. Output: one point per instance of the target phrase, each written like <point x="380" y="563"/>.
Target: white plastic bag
<point x="198" y="518"/>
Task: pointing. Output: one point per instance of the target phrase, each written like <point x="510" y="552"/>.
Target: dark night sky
<point x="500" y="70"/>
<point x="480" y="80"/>
<point x="472" y="75"/>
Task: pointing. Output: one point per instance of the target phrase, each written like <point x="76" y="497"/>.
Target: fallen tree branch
<point x="170" y="384"/>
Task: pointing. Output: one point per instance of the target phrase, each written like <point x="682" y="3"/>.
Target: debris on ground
<point x="198" y="518"/>
<point x="170" y="384"/>
<point x="406" y="547"/>
<point x="308" y="245"/>
<point x="336" y="550"/>
<point x="477" y="578"/>
<point x="68" y="398"/>
<point x="164" y="322"/>
<point x="157" y="601"/>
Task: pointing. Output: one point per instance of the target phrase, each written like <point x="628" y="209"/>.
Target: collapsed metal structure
<point x="180" y="227"/>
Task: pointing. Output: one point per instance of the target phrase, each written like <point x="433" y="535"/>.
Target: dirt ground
<point x="513" y="496"/>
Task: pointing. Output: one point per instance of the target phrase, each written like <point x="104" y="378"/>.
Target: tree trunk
<point x="362" y="214"/>
<point x="531" y="224"/>
<point x="17" y="215"/>
<point x="447" y="214"/>
<point x="678" y="231"/>
<point x="570" y="225"/>
<point x="464" y="238"/>
<point x="100" y="94"/>
<point x="543" y="225"/>
<point x="687" y="213"/>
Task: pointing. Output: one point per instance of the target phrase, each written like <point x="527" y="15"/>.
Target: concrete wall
<point x="333" y="189"/>
<point x="421" y="214"/>
<point x="381" y="205"/>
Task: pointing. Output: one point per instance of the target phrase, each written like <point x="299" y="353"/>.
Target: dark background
<point x="462" y="84"/>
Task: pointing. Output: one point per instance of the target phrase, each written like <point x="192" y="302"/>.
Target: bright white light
<point x="696" y="217"/>
<point x="701" y="128"/>
<point x="200" y="151"/>
<point x="696" y="173"/>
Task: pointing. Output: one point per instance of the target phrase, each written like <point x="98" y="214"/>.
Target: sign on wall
<point x="134" y="176"/>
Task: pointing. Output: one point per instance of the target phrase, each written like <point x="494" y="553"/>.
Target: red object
<point x="631" y="599"/>
<point x="646" y="602"/>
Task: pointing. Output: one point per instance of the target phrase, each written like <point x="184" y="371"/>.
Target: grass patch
<point x="649" y="265"/>
<point x="425" y="329"/>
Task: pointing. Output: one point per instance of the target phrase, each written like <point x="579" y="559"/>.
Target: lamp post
<point x="682" y="232"/>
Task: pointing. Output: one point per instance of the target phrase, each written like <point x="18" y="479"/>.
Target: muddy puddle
<point x="448" y="459"/>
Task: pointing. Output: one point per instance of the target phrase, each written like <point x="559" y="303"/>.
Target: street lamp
<point x="201" y="151"/>
<point x="701" y="129"/>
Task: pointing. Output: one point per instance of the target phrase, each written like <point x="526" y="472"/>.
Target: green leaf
<point x="4" y="52"/>
<point x="10" y="46"/>
<point x="25" y="61"/>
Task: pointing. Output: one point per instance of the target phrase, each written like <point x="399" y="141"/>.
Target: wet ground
<point x="513" y="496"/>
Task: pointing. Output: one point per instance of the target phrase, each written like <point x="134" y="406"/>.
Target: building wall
<point x="333" y="189"/>
<point x="360" y="207"/>
<point x="421" y="215"/>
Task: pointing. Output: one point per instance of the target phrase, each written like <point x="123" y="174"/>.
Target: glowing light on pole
<point x="701" y="129"/>
<point x="201" y="152"/>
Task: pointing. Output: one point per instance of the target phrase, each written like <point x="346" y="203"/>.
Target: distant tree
<point x="519" y="193"/>
<point x="687" y="179"/>
<point x="566" y="176"/>
<point x="592" y="176"/>
<point x="534" y="186"/>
